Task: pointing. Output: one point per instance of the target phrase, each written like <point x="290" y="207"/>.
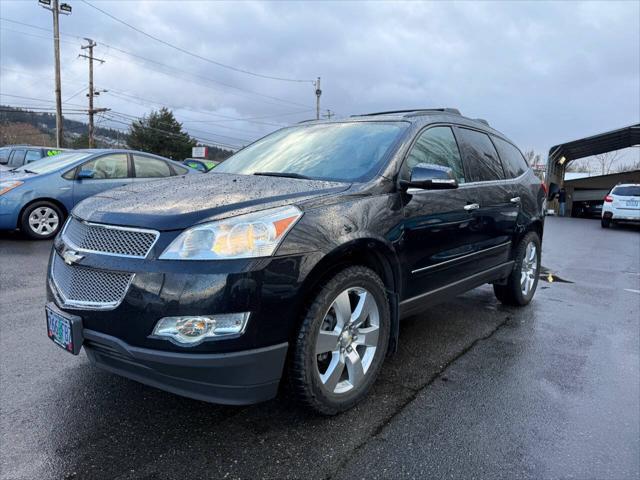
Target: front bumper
<point x="236" y="378"/>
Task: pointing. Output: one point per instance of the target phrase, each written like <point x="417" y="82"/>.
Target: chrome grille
<point x="88" y="287"/>
<point x="108" y="239"/>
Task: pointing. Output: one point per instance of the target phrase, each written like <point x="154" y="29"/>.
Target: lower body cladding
<point x="239" y="369"/>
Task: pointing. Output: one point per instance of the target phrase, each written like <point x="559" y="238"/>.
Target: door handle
<point x="515" y="200"/>
<point x="471" y="206"/>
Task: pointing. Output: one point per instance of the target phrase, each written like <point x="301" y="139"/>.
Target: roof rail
<point x="482" y="120"/>
<point x="416" y="111"/>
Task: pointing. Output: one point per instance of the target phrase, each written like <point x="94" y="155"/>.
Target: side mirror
<point x="85" y="174"/>
<point x="428" y="176"/>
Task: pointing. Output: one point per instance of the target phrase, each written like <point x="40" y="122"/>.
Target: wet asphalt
<point x="477" y="390"/>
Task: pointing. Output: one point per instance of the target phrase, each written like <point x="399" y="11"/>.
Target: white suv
<point x="622" y="204"/>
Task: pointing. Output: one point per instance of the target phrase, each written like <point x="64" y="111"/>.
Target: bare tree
<point x="582" y="165"/>
<point x="629" y="167"/>
<point x="605" y="161"/>
<point x="532" y="157"/>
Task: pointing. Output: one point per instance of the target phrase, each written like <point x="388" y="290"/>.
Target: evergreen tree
<point x="162" y="134"/>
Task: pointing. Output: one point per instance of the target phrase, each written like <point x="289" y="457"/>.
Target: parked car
<point x="37" y="197"/>
<point x="19" y="155"/>
<point x="587" y="208"/>
<point x="201" y="164"/>
<point x="298" y="254"/>
<point x="622" y="204"/>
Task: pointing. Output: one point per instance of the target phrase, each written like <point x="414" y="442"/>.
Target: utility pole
<point x="318" y="93"/>
<point x="56" y="10"/>
<point x="329" y="114"/>
<point x="92" y="93"/>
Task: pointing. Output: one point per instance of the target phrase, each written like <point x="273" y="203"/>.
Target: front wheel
<point x="523" y="280"/>
<point x="342" y="342"/>
<point x="41" y="220"/>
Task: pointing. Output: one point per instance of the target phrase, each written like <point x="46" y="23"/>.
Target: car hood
<point x="180" y="202"/>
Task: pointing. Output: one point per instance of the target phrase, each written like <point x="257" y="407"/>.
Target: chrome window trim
<point x="429" y="267"/>
<point x="69" y="243"/>
<point x="76" y="305"/>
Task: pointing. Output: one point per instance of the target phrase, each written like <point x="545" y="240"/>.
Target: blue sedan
<point x="37" y="197"/>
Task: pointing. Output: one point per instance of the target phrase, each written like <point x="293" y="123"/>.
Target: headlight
<point x="246" y="236"/>
<point x="7" y="185"/>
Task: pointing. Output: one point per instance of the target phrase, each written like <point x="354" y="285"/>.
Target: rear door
<point x="491" y="198"/>
<point x="438" y="231"/>
<point x="109" y="171"/>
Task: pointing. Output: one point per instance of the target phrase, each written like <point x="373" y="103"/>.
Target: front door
<point x="109" y="171"/>
<point x="437" y="226"/>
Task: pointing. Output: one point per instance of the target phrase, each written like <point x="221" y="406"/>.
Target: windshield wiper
<point x="23" y="170"/>
<point x="283" y="174"/>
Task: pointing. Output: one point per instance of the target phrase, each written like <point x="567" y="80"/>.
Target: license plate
<point x="632" y="203"/>
<point x="64" y="330"/>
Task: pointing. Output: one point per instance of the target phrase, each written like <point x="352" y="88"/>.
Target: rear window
<point x="513" y="161"/>
<point x="627" y="191"/>
<point x="480" y="157"/>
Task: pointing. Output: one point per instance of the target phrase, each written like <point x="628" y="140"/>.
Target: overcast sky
<point x="542" y="72"/>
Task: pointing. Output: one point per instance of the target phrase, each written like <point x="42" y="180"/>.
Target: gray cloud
<point x="541" y="72"/>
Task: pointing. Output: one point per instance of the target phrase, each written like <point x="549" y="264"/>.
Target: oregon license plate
<point x="64" y="330"/>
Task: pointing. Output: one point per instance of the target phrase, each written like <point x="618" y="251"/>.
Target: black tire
<point x="605" y="222"/>
<point x="52" y="220"/>
<point x="304" y="371"/>
<point x="511" y="293"/>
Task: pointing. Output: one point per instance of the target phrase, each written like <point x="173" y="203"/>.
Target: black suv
<point x="299" y="254"/>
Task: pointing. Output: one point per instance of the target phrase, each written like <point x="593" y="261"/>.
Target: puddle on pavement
<point x="551" y="277"/>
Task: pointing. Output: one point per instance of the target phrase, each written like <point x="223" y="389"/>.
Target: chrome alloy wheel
<point x="529" y="268"/>
<point x="44" y="221"/>
<point x="347" y="340"/>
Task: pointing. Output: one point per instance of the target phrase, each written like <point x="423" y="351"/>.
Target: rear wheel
<point x="605" y="222"/>
<point x="41" y="220"/>
<point x="342" y="342"/>
<point x="522" y="282"/>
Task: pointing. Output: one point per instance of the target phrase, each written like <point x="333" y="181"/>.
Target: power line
<point x="180" y="71"/>
<point x="195" y="55"/>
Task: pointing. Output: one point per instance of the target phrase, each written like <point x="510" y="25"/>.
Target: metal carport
<point x="562" y="155"/>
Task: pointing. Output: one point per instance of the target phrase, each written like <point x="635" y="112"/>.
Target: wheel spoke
<point x="354" y="367"/>
<point x="327" y="341"/>
<point x="368" y="336"/>
<point x="342" y="307"/>
<point x="363" y="309"/>
<point x="334" y="372"/>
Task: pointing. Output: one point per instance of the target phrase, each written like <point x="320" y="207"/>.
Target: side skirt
<point x="416" y="304"/>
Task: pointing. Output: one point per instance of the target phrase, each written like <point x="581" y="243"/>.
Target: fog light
<point x="193" y="329"/>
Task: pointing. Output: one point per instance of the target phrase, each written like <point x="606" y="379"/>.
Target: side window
<point x="32" y="156"/>
<point x="437" y="146"/>
<point x="4" y="154"/>
<point x="512" y="160"/>
<point x="480" y="156"/>
<point x="16" y="159"/>
<point x="180" y="170"/>
<point x="147" y="167"/>
<point x="108" y="166"/>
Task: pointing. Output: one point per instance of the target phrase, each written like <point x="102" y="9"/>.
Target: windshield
<point x="50" y="164"/>
<point x="627" y="191"/>
<point x="347" y="152"/>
